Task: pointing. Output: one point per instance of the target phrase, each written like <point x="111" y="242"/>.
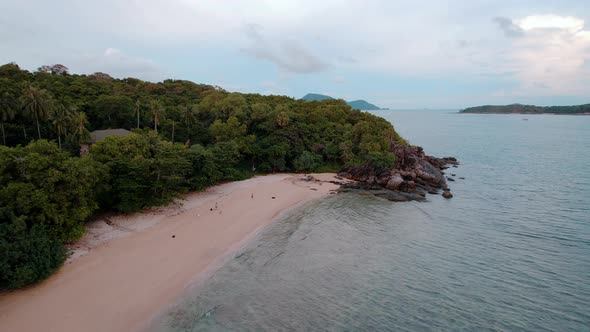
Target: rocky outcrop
<point x="414" y="175"/>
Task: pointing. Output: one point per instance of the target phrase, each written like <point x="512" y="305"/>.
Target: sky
<point x="397" y="54"/>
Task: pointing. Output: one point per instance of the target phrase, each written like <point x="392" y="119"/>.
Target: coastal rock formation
<point x="414" y="175"/>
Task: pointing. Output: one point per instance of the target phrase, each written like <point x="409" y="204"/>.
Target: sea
<point x="510" y="251"/>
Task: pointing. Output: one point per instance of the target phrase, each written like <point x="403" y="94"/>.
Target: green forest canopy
<point x="187" y="136"/>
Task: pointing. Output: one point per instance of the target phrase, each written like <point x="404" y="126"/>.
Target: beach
<point x="126" y="269"/>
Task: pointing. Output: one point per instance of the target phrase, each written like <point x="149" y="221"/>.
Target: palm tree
<point x="157" y="112"/>
<point x="60" y="118"/>
<point x="7" y="111"/>
<point x="188" y="117"/>
<point x="79" y="121"/>
<point x="137" y="110"/>
<point x="37" y="103"/>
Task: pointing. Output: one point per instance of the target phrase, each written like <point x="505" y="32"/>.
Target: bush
<point x="44" y="185"/>
<point x="144" y="170"/>
<point x="380" y="160"/>
<point x="27" y="255"/>
<point x="307" y="162"/>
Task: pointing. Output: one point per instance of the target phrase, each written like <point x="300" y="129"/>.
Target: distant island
<point x="528" y="109"/>
<point x="355" y="104"/>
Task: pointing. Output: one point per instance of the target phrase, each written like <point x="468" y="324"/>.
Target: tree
<point x="188" y="115"/>
<point x="7" y="111"/>
<point x="57" y="69"/>
<point x="37" y="103"/>
<point x="307" y="162"/>
<point x="27" y="255"/>
<point x="157" y="111"/>
<point x="225" y="131"/>
<point x="282" y="111"/>
<point x="80" y="134"/>
<point x="137" y="110"/>
<point x="112" y="111"/>
<point x="43" y="185"/>
<point x="61" y="118"/>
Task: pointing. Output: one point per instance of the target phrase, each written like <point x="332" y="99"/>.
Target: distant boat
<point x="525" y="119"/>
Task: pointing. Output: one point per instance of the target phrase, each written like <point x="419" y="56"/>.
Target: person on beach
<point x="252" y="196"/>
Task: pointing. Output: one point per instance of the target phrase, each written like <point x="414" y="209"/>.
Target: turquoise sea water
<point x="510" y="252"/>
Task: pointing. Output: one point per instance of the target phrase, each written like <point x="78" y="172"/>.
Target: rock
<point x="462" y="178"/>
<point x="395" y="181"/>
<point x="414" y="175"/>
<point x="447" y="194"/>
<point x="398" y="196"/>
<point x="452" y="174"/>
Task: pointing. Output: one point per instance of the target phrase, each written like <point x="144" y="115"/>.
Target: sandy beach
<point x="126" y="269"/>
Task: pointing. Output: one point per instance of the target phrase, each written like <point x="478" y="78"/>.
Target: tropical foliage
<point x="47" y="192"/>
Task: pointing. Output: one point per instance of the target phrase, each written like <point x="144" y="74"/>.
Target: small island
<point x="354" y="104"/>
<point x="528" y="109"/>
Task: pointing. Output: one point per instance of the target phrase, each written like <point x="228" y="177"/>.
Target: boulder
<point x="447" y="194"/>
<point x="395" y="181"/>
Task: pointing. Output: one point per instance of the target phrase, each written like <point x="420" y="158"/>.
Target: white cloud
<point x="569" y="23"/>
<point x="117" y="64"/>
<point x="546" y="54"/>
<point x="550" y="58"/>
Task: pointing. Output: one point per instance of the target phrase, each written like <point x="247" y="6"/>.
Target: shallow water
<point x="510" y="252"/>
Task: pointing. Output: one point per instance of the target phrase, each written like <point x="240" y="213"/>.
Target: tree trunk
<point x="172" y="131"/>
<point x="156" y="125"/>
<point x="3" y="134"/>
<point x="59" y="140"/>
<point x="25" y="132"/>
<point x="137" y="119"/>
<point x="38" y="129"/>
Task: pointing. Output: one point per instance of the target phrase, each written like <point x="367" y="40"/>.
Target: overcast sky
<point x="398" y="54"/>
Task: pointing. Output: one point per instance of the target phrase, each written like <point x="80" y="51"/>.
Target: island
<point x="116" y="193"/>
<point x="354" y="104"/>
<point x="528" y="109"/>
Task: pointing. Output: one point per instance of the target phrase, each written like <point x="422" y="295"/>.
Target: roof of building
<point x="98" y="135"/>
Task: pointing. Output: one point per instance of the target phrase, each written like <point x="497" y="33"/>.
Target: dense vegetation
<point x="529" y="109"/>
<point x="186" y="136"/>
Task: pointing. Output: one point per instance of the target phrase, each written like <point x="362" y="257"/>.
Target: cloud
<point x="373" y="43"/>
<point x="572" y="24"/>
<point x="288" y="55"/>
<point x="550" y="57"/>
<point x="509" y="28"/>
<point x="117" y="64"/>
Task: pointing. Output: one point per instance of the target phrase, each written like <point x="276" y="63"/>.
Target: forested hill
<point x="355" y="104"/>
<point x="186" y="136"/>
<point x="529" y="109"/>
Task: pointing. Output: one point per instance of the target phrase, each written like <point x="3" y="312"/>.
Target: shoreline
<point x="127" y="269"/>
<point x="523" y="113"/>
